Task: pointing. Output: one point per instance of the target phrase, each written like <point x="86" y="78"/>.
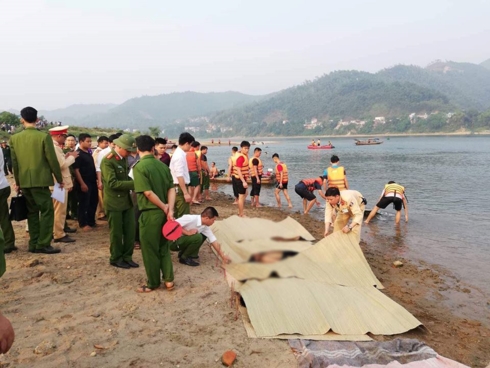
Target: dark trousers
<point x="3" y="265"/>
<point x="5" y="224"/>
<point x="7" y="167"/>
<point x="73" y="202"/>
<point x="234" y="186"/>
<point x="87" y="205"/>
<point x="40" y="217"/>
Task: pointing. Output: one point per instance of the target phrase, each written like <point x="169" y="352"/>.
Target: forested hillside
<point x="466" y="85"/>
<point x="142" y="112"/>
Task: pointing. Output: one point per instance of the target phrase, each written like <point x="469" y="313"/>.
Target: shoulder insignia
<point x="109" y="156"/>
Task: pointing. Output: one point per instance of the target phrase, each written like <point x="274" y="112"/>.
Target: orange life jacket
<point x="244" y="169"/>
<point x="260" y="167"/>
<point x="336" y="177"/>
<point x="191" y="157"/>
<point x="284" y="173"/>
<point x="310" y="183"/>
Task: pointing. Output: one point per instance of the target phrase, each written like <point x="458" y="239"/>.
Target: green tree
<point x="154" y="131"/>
<point x="9" y="118"/>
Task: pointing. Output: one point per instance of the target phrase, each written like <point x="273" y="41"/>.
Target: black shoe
<point x="69" y="230"/>
<point x="48" y="250"/>
<point x="188" y="262"/>
<point x="132" y="264"/>
<point x="120" y="264"/>
<point x="65" y="239"/>
<point x="10" y="250"/>
<point x="180" y="254"/>
<point x="194" y="257"/>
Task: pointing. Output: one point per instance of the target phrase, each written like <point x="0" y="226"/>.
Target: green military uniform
<point x="181" y="206"/>
<point x="5" y="224"/>
<point x="118" y="206"/>
<point x="188" y="245"/>
<point x="34" y="161"/>
<point x="7" y="156"/>
<point x="150" y="174"/>
<point x="3" y="266"/>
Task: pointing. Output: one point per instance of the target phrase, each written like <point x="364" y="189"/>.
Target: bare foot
<point x="258" y="205"/>
<point x="87" y="228"/>
<point x="290" y="205"/>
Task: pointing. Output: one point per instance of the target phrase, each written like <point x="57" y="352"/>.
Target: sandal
<point x="169" y="285"/>
<point x="137" y="246"/>
<point x="144" y="289"/>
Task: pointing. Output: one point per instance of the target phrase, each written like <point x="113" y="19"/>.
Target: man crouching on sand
<point x="195" y="230"/>
<point x="155" y="192"/>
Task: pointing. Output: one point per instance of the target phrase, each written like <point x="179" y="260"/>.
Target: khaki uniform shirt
<point x="65" y="164"/>
<point x="350" y="202"/>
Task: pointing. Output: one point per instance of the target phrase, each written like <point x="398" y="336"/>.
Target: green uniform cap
<point x="126" y="142"/>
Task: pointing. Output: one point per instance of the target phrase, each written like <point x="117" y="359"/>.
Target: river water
<point x="446" y="180"/>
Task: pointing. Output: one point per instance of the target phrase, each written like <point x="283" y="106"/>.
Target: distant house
<point x="379" y="120"/>
<point x="312" y="124"/>
<point x="357" y="122"/>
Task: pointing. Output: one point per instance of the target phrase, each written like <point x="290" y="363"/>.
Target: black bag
<point x="18" y="208"/>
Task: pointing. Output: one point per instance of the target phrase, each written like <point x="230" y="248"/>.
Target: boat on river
<point x="368" y="142"/>
<point x="264" y="180"/>
<point x="324" y="147"/>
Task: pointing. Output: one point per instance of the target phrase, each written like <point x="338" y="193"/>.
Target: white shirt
<point x="178" y="166"/>
<point x="100" y="156"/>
<point x="3" y="180"/>
<point x="191" y="222"/>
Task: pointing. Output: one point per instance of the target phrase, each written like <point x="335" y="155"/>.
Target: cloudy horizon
<point x="59" y="53"/>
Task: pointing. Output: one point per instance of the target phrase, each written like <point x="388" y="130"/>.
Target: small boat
<point x="327" y="146"/>
<point x="265" y="180"/>
<point x="368" y="142"/>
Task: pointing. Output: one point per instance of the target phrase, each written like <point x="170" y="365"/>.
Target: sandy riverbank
<point x="75" y="300"/>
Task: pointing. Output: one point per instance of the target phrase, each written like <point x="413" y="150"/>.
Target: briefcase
<point x="18" y="208"/>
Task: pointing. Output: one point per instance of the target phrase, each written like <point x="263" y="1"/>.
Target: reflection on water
<point x="446" y="180"/>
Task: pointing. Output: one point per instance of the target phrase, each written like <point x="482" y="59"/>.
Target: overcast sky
<point x="56" y="53"/>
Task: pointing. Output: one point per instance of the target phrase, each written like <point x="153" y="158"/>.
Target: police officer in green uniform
<point x="156" y="199"/>
<point x="35" y="163"/>
<point x="117" y="201"/>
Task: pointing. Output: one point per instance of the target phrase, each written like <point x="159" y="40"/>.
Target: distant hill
<point x="338" y="95"/>
<point x="142" y="112"/>
<point x="75" y="114"/>
<point x="486" y="64"/>
<point x="466" y="85"/>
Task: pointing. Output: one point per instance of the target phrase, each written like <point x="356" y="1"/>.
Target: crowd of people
<point x="138" y="188"/>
